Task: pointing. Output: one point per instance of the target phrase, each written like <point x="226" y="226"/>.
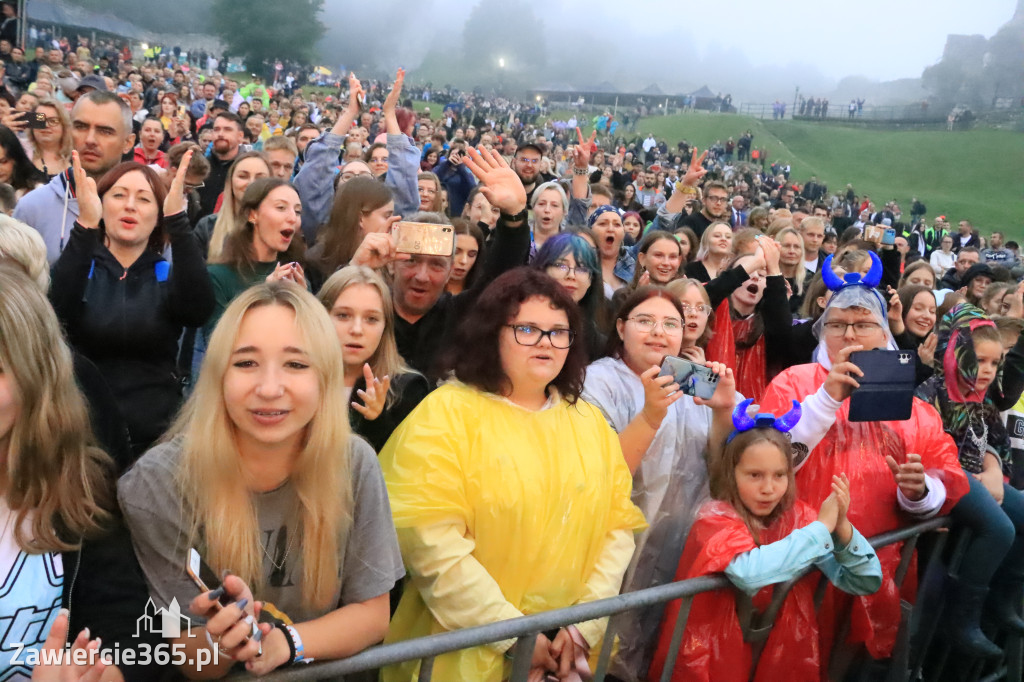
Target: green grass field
<point x="977" y="174"/>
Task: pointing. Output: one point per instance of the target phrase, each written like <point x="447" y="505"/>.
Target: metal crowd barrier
<point x="756" y="628"/>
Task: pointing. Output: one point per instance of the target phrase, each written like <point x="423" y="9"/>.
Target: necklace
<point x="284" y="559"/>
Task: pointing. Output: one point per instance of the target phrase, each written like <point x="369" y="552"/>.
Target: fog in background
<point x="752" y="50"/>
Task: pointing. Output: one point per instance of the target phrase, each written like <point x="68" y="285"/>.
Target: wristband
<point x="518" y="217"/>
<point x="686" y="189"/>
<point x="576" y="170"/>
<point x="286" y="631"/>
<point x="298" y="650"/>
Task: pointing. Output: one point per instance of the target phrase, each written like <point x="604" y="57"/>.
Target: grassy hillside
<point x="976" y="174"/>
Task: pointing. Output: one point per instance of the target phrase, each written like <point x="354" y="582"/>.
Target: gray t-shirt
<point x="370" y="561"/>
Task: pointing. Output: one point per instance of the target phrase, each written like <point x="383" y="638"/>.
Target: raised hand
<point x="696" y="171"/>
<point x="828" y="514"/>
<point x="391" y="101"/>
<point x="841" y="490"/>
<point x="355" y="92"/>
<point x="840" y="382"/>
<point x="909" y="476"/>
<point x="374" y="396"/>
<point x="724" y="396"/>
<point x="582" y="151"/>
<point x="895" y="313"/>
<point x="660" y="393"/>
<point x="377" y="250"/>
<point x="770" y="250"/>
<point x="498" y="182"/>
<point x="175" y="201"/>
<point x="90" y="208"/>
<point x="926" y="351"/>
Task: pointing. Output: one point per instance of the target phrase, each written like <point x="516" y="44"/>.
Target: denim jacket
<point x="315" y="180"/>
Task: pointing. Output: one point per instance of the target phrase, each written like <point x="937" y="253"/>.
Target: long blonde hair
<point x="53" y="473"/>
<point x="210" y="479"/>
<point x="385" y="361"/>
<point x="227" y="222"/>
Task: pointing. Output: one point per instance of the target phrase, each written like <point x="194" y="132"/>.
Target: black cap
<point x="93" y="81"/>
<point x="531" y="145"/>
<point x="219" y="104"/>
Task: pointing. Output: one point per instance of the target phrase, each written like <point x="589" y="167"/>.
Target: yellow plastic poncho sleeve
<point x="502" y="512"/>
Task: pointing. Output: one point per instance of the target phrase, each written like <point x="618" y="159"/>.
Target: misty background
<point x="968" y="53"/>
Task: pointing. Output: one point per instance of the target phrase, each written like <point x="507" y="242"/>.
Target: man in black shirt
<point x="227" y="137"/>
<point x="716" y="208"/>
<point x="425" y="314"/>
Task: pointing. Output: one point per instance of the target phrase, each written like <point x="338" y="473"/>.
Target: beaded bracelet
<point x="287" y="632"/>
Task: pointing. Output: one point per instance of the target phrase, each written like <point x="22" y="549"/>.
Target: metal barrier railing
<point x="527" y="628"/>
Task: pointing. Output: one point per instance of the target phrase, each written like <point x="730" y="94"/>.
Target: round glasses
<point x="670" y="325"/>
<point x="581" y="271"/>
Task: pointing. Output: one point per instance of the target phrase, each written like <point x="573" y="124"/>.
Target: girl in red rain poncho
<point x="902" y="470"/>
<point x="759" y="534"/>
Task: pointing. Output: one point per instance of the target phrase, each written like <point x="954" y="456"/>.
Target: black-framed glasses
<point x="859" y="328"/>
<point x="528" y="335"/>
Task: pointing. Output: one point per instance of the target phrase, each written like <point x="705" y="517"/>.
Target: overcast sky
<point x="880" y="39"/>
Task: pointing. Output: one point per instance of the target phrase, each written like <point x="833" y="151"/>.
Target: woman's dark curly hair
<point x="474" y="356"/>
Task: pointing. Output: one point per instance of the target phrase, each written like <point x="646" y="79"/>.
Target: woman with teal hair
<point x="572" y="262"/>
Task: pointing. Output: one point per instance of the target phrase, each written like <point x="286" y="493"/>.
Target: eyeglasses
<point x="191" y="188"/>
<point x="528" y="162"/>
<point x="859" y="328"/>
<point x="717" y="200"/>
<point x="699" y="309"/>
<point x="670" y="325"/>
<point x="528" y="335"/>
<point x="564" y="270"/>
<point x="52" y="122"/>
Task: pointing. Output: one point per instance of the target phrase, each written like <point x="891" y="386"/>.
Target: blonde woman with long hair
<point x="261" y="475"/>
<point x="381" y="387"/>
<point x="62" y="538"/>
<point x="213" y="230"/>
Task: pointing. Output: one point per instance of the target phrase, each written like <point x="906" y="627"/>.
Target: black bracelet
<point x="288" y="638"/>
<point x="518" y="217"/>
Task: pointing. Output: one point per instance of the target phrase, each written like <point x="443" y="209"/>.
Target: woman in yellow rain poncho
<point x="509" y="496"/>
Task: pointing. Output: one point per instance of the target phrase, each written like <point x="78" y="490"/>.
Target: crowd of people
<point x="213" y="343"/>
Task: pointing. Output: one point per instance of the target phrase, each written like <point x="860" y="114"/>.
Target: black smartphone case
<point x="886" y="390"/>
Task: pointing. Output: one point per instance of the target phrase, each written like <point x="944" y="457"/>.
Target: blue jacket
<point x="315" y="180"/>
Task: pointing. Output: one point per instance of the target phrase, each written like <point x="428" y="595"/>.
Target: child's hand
<point x="829" y="512"/>
<point x="841" y="490"/>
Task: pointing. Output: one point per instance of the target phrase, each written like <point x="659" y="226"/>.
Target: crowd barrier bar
<point x="526" y="628"/>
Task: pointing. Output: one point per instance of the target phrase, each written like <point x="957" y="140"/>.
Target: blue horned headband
<point x="870" y="280"/>
<point x="762" y="420"/>
<point x="854" y="279"/>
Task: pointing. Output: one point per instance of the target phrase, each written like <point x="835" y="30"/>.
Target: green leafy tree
<point x="260" y="30"/>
